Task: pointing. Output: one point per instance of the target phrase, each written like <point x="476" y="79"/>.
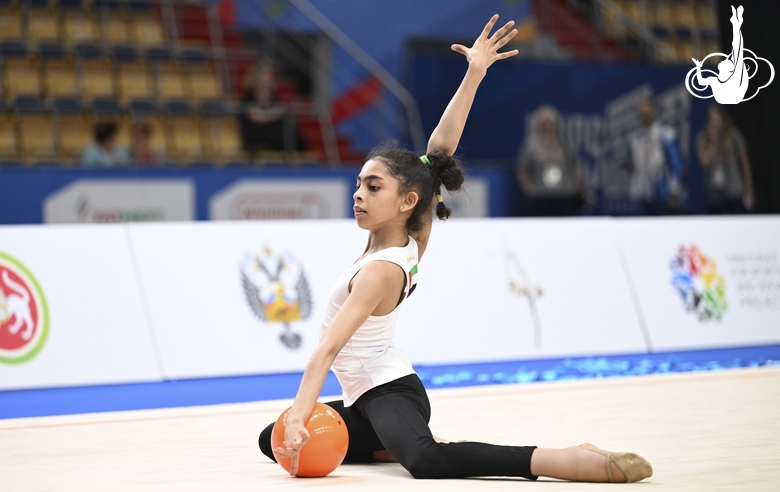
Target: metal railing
<point x="659" y="50"/>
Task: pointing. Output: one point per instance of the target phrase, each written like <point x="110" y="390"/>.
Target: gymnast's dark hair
<point x="424" y="179"/>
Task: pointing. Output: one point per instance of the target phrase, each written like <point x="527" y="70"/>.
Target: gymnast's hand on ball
<point x="295" y="437"/>
<point x="485" y="49"/>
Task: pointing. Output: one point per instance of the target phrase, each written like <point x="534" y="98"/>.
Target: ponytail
<point x="444" y="171"/>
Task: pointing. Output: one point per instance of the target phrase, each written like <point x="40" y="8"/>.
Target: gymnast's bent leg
<point x="399" y="412"/>
<point x="363" y="441"/>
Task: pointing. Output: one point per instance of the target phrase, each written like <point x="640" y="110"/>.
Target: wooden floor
<point x="702" y="431"/>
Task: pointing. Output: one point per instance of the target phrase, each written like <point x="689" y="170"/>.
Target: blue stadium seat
<point x="142" y="107"/>
<point x="14" y="49"/>
<point x="51" y="50"/>
<point x="159" y="54"/>
<point x="177" y="108"/>
<point x="67" y="105"/>
<point x="124" y="53"/>
<point x="194" y="56"/>
<point x="88" y="51"/>
<point x="28" y="104"/>
<point x="103" y="106"/>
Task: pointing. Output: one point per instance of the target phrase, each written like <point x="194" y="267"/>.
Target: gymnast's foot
<point x="622" y="467"/>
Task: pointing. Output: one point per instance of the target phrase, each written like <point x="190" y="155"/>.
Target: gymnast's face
<point x="377" y="201"/>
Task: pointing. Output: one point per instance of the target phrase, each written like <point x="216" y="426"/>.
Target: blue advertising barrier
<point x="23" y="191"/>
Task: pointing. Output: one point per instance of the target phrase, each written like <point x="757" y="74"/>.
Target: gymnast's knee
<point x="265" y="442"/>
<point x="428" y="463"/>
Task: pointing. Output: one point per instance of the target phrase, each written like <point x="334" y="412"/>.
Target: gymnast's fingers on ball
<point x="294" y="465"/>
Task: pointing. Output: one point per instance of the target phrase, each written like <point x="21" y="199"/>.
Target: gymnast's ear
<point x="410" y="200"/>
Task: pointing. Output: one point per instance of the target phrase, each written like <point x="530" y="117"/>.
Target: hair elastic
<point x="425" y="160"/>
<point x="439" y="198"/>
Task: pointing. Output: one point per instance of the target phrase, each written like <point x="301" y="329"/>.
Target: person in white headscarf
<point x="547" y="167"/>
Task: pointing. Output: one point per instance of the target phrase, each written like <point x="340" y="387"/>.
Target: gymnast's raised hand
<point x="485" y="49"/>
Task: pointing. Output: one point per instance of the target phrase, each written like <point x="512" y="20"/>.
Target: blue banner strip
<point x="212" y="391"/>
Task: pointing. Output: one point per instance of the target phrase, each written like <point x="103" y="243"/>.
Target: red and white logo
<point x="24" y="317"/>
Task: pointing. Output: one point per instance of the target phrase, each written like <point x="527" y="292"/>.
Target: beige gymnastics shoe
<point x="633" y="466"/>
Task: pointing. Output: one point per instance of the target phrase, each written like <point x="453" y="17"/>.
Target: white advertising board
<point x="705" y="282"/>
<point x="505" y="289"/>
<point x="203" y="283"/>
<point x="240" y="298"/>
<point x="105" y="200"/>
<point x="70" y="309"/>
<point x="471" y="201"/>
<point x="282" y="199"/>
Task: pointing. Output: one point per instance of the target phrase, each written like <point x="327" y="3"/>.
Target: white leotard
<point x="369" y="358"/>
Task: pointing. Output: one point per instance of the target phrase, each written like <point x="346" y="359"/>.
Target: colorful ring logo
<point x="702" y="289"/>
<point x="24" y="313"/>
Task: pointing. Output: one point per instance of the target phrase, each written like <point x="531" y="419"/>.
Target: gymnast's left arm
<point x="480" y="56"/>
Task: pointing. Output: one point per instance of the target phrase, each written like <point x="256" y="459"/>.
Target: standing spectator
<point x="104" y="151"/>
<point x="547" y="168"/>
<point x="655" y="164"/>
<point x="723" y="155"/>
<point x="264" y="120"/>
<point x="141" y="152"/>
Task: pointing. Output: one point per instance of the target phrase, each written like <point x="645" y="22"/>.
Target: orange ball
<point x="327" y="445"/>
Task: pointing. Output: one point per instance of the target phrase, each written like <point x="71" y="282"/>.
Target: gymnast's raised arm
<point x="446" y="135"/>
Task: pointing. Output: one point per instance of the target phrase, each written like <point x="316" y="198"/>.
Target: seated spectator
<point x="141" y="152"/>
<point x="722" y="153"/>
<point x="104" y="151"/>
<point x="265" y="123"/>
<point x="547" y="168"/>
<point x="655" y="164"/>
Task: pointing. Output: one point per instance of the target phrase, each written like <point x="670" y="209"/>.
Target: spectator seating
<point x="686" y="27"/>
<point x="66" y="64"/>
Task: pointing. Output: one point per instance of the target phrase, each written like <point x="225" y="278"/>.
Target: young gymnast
<point x="384" y="406"/>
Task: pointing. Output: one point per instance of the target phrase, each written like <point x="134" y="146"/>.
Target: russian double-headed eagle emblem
<point x="277" y="291"/>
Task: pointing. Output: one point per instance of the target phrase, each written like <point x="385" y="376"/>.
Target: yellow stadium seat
<point x="43" y="25"/>
<point x="683" y="14"/>
<point x="22" y="78"/>
<point x="223" y="139"/>
<point x="75" y="133"/>
<point x="157" y="139"/>
<point x="96" y="80"/>
<point x="115" y="30"/>
<point x="147" y="30"/>
<point x="36" y="136"/>
<point x="7" y="136"/>
<point x="184" y="138"/>
<point x="170" y="83"/>
<point x="635" y="11"/>
<point x="683" y="49"/>
<point x="134" y="82"/>
<point x="661" y="14"/>
<point x="705" y="16"/>
<point x="204" y="84"/>
<point x="670" y="44"/>
<point x="80" y="27"/>
<point x="11" y="24"/>
<point x="60" y="79"/>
